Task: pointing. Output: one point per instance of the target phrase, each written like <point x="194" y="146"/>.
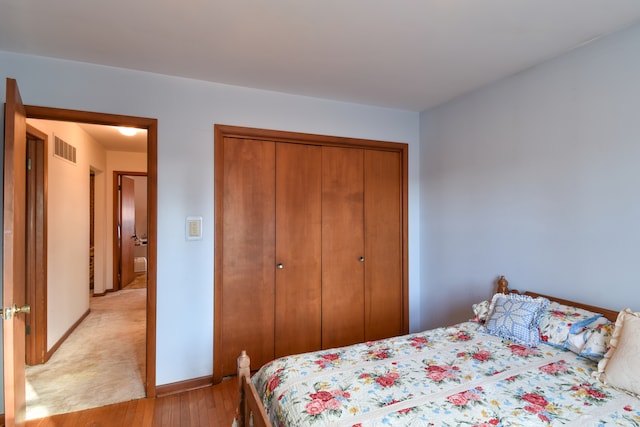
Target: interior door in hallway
<point x="127" y="230"/>
<point x="14" y="260"/>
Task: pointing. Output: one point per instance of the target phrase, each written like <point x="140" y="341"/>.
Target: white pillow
<point x="620" y="367"/>
<point x="481" y="310"/>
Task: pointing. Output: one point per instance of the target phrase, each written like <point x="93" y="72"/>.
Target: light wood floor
<point x="206" y="407"/>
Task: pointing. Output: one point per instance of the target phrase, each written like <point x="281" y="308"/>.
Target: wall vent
<point x="64" y="150"/>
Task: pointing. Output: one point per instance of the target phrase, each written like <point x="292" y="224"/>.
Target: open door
<point x="14" y="260"/>
<point x="128" y="230"/>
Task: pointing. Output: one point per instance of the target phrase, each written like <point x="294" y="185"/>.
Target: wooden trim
<point x="182" y="386"/>
<point x="609" y="314"/>
<point x="152" y="245"/>
<point x="115" y="252"/>
<point x="151" y="125"/>
<point x="218" y="159"/>
<point x="405" y="236"/>
<point x="66" y="335"/>
<point x="36" y="291"/>
<point x="226" y="131"/>
<point x="65" y="115"/>
<point x="503" y="287"/>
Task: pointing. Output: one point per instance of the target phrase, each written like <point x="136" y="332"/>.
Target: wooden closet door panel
<point x="342" y="246"/>
<point x="298" y="243"/>
<point x="248" y="245"/>
<point x="383" y="244"/>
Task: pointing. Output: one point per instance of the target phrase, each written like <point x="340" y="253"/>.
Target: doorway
<point x="130" y="234"/>
<point x="150" y="125"/>
<point x="91" y="342"/>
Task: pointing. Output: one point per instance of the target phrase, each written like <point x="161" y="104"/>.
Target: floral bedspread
<point x="452" y="376"/>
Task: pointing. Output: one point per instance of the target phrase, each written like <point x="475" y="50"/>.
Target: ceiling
<point x="113" y="140"/>
<point x="404" y="54"/>
<point x="109" y="136"/>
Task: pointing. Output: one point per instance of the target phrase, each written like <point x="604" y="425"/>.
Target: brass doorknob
<point x="24" y="309"/>
<point x="8" y="312"/>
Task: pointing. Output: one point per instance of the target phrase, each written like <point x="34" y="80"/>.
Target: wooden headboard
<point x="503" y="287"/>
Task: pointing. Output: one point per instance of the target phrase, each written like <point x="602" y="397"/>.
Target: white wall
<point x="187" y="111"/>
<point x="68" y="226"/>
<point x="536" y="177"/>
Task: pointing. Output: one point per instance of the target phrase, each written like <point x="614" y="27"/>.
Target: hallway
<point x="100" y="363"/>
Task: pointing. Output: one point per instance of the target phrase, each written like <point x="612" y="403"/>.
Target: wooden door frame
<point x="117" y="253"/>
<point x="226" y="131"/>
<point x="36" y="285"/>
<point x="151" y="125"/>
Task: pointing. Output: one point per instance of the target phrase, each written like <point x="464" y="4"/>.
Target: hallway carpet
<point x="140" y="281"/>
<point x="101" y="362"/>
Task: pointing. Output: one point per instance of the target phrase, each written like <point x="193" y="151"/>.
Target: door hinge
<point x="27" y="329"/>
<point x="28" y="164"/>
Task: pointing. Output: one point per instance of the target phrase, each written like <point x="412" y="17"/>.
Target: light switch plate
<point x="194" y="228"/>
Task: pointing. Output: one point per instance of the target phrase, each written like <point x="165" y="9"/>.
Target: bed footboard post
<point x="244" y="371"/>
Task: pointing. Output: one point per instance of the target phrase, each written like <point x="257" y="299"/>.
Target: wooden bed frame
<point x="251" y="411"/>
<point x="503" y="287"/>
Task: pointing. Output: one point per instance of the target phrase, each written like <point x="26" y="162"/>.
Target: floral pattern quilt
<point x="454" y="376"/>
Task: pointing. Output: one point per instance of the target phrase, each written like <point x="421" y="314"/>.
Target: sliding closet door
<point x="248" y="245"/>
<point x="298" y="243"/>
<point x="342" y="246"/>
<point x="383" y="244"/>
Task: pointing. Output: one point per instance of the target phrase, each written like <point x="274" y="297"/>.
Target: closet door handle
<point x="280" y="265"/>
<point x="361" y="259"/>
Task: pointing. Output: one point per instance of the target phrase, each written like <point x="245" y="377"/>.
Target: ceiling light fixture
<point x="127" y="131"/>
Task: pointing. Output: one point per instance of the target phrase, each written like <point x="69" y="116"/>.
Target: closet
<point x="311" y="241"/>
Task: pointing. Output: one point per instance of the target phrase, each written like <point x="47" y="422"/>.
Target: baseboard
<point x="66" y="335"/>
<point x="105" y="292"/>
<point x="181" y="386"/>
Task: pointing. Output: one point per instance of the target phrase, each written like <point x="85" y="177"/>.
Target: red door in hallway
<point x="14" y="259"/>
<point x="127" y="230"/>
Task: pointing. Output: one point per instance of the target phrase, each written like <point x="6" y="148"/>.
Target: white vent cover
<point x="64" y="150"/>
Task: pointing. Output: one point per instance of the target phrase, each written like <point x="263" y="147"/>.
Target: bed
<point x="523" y="360"/>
